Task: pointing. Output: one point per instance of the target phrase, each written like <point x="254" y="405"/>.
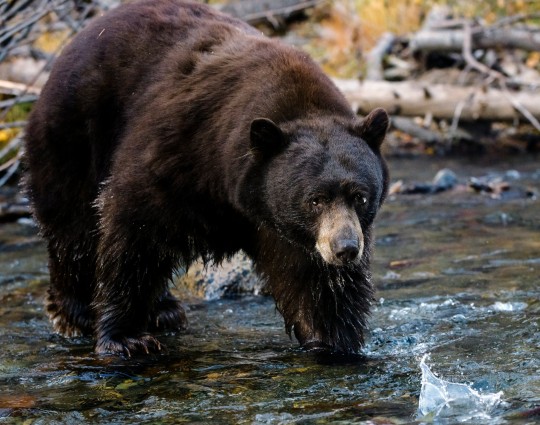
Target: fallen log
<point x="255" y="11"/>
<point x="429" y="40"/>
<point x="374" y="58"/>
<point x="440" y="100"/>
<point x="17" y="89"/>
<point x="408" y="126"/>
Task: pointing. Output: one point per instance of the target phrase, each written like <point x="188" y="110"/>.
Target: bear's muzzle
<point x="340" y="240"/>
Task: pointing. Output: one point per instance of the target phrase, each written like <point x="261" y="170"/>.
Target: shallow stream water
<point x="458" y="279"/>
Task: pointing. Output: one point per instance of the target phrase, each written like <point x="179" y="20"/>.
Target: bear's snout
<point x="345" y="250"/>
<point x="340" y="239"/>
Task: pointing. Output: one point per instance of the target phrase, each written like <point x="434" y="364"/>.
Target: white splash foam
<point x="517" y="306"/>
<point x="440" y="398"/>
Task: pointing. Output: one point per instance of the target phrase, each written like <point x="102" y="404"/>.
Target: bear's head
<point x="324" y="181"/>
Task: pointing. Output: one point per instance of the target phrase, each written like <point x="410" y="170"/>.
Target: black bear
<point x="168" y="131"/>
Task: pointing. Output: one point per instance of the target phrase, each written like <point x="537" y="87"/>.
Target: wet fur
<point x="140" y="161"/>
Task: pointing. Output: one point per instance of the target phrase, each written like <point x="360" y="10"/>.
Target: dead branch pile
<point x="275" y="12"/>
<point x="453" y="74"/>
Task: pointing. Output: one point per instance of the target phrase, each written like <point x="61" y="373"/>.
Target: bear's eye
<point x="317" y="201"/>
<point x="360" y="199"/>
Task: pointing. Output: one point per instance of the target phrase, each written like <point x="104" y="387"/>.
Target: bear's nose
<point x="346" y="250"/>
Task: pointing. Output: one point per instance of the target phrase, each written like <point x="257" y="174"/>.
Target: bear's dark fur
<point x="169" y="131"/>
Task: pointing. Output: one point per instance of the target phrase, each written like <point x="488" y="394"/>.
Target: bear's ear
<point x="373" y="128"/>
<point x="267" y="139"/>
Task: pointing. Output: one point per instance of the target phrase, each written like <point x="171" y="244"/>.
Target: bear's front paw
<point x="316" y="346"/>
<point x="128" y="346"/>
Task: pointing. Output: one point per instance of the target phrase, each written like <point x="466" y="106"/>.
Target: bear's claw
<point x="129" y="346"/>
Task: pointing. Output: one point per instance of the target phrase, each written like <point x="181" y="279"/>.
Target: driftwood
<point x="374" y="59"/>
<point x="408" y="126"/>
<point x="442" y="101"/>
<point x="441" y="33"/>
<point x="17" y="89"/>
<point x="452" y="40"/>
<point x="274" y="11"/>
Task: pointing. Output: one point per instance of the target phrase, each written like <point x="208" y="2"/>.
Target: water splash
<point x="508" y="307"/>
<point x="443" y="399"/>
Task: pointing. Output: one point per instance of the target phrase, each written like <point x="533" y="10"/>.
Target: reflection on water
<point x="457" y="275"/>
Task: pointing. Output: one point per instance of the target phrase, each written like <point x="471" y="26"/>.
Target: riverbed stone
<point x="210" y="282"/>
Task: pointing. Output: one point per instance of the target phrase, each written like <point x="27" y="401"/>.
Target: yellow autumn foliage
<point x="51" y="42"/>
<point x="17" y="113"/>
<point x="349" y="28"/>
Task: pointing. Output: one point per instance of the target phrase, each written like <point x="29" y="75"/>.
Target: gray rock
<point x="213" y="282"/>
<point x="445" y="179"/>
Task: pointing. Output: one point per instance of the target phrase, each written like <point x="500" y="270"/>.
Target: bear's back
<point x="114" y="58"/>
<point x="183" y="72"/>
<point x="102" y="74"/>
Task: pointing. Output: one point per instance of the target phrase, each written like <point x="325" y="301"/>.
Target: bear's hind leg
<point x="69" y="317"/>
<point x="72" y="280"/>
<point x="167" y="314"/>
